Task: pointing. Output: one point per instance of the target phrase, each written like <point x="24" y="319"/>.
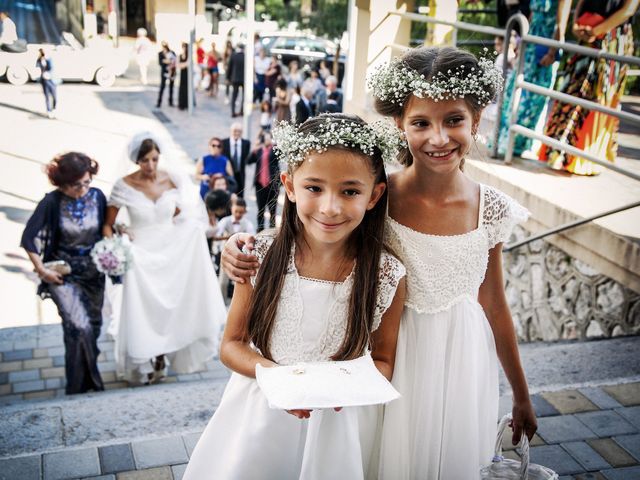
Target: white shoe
<point x="51" y="114"/>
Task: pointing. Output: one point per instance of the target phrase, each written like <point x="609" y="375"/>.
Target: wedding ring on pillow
<point x="298" y="370"/>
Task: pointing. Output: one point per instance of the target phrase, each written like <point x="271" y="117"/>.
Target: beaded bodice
<point x="443" y="270"/>
<point x="326" y="304"/>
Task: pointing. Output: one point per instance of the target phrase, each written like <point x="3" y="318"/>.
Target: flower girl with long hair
<point x="325" y="290"/>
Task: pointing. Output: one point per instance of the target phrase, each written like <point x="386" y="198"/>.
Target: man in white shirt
<point x="9" y="32"/>
<point x="237" y="149"/>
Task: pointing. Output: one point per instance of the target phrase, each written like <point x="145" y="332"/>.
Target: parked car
<point x="100" y="62"/>
<point x="308" y="50"/>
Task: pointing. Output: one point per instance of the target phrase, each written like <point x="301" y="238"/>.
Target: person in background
<point x="549" y="20"/>
<point x="329" y="98"/>
<point x="261" y="64"/>
<point x="323" y="71"/>
<point x="265" y="116"/>
<point x="605" y="26"/>
<point x="167" y="61"/>
<point x="142" y="49"/>
<point x="183" y="66"/>
<point x="312" y="82"/>
<point x="217" y="202"/>
<point x="226" y="57"/>
<point x="274" y="72"/>
<point x="294" y="77"/>
<point x="47" y="81"/>
<point x="266" y="181"/>
<point x="64" y="227"/>
<point x="234" y="223"/>
<point x="237" y="149"/>
<point x="282" y="101"/>
<point x="211" y="164"/>
<point x="235" y="75"/>
<point x="212" y="65"/>
<point x="201" y="61"/>
<point x="304" y="107"/>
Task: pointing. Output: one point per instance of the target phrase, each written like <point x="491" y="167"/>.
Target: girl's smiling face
<point x="332" y="191"/>
<point x="439" y="134"/>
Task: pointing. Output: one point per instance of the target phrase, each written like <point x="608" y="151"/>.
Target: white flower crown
<point x="292" y="146"/>
<point x="395" y="80"/>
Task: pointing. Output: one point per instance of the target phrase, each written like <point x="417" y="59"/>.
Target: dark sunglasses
<point x="216" y="145"/>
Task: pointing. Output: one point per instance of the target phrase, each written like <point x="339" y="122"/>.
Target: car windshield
<point x="70" y="40"/>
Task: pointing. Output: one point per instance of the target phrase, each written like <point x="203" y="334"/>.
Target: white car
<point x="99" y="62"/>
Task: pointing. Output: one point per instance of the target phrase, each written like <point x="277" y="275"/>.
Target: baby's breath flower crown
<point x="292" y="146"/>
<point x="395" y="80"/>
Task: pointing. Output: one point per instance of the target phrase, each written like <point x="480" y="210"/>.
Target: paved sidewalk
<point x="589" y="433"/>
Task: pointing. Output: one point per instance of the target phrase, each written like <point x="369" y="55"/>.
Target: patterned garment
<point x="79" y="299"/>
<point x="592" y="79"/>
<point x="543" y="22"/>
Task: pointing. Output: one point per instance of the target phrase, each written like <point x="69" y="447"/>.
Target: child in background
<point x="217" y="202"/>
<point x="265" y="117"/>
<point x="234" y="223"/>
<point x="325" y="290"/>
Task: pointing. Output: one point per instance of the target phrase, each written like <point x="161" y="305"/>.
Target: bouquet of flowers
<point x="112" y="255"/>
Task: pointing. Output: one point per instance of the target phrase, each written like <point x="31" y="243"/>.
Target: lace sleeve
<point x="261" y="247"/>
<point x="500" y="215"/>
<point x="389" y="275"/>
<point x="118" y="197"/>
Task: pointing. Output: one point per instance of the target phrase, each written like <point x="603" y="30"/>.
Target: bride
<point x="171" y="309"/>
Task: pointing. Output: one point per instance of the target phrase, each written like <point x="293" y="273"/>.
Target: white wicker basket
<point x="506" y="469"/>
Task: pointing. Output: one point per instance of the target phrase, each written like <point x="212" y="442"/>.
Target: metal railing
<point x="521" y="84"/>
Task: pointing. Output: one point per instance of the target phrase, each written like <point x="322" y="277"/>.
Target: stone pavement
<point x="586" y="394"/>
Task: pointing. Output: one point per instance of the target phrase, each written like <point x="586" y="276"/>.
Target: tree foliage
<point x="329" y="18"/>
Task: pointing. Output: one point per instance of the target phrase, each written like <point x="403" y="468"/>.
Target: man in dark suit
<point x="235" y="74"/>
<point x="167" y="61"/>
<point x="304" y="107"/>
<point x="237" y="149"/>
<point x="329" y="99"/>
<point x="266" y="181"/>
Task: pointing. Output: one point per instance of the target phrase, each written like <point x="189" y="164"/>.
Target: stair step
<point x="107" y="418"/>
<point x="32" y="365"/>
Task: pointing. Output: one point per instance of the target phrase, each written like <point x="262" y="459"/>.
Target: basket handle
<point x="524" y="446"/>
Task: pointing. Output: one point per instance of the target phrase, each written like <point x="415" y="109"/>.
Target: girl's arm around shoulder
<point x="494" y="302"/>
<point x="384" y="339"/>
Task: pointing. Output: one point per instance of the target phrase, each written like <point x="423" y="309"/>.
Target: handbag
<point x="59" y="266"/>
<point x="502" y="468"/>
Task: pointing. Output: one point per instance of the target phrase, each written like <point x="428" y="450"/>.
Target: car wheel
<point x="17" y="75"/>
<point x="105" y="77"/>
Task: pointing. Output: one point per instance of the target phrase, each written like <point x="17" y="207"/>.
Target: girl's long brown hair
<point x="365" y="244"/>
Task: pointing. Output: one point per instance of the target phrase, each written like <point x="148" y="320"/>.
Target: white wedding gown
<point x="171" y="303"/>
<point x="247" y="440"/>
<point x="444" y="425"/>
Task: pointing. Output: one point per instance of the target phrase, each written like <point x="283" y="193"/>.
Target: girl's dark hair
<point x="432" y="61"/>
<point x="70" y="167"/>
<point x="147" y="146"/>
<point x="364" y="244"/>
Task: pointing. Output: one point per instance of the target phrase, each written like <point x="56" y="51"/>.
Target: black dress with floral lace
<point x="68" y="229"/>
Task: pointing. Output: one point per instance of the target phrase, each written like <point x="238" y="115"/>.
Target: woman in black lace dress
<point x="65" y="226"/>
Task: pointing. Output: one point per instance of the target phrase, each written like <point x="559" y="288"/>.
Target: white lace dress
<point x="444" y="425"/>
<point x="246" y="440"/>
<point x="170" y="303"/>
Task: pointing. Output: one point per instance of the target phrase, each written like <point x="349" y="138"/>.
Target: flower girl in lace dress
<point x="456" y="323"/>
<point x="325" y="290"/>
